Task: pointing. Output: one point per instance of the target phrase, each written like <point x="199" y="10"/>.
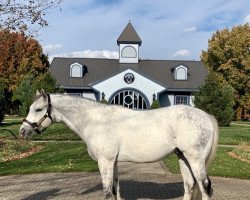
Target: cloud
<point x="190" y="29"/>
<point x="51" y="47"/>
<point x="247" y="19"/>
<point x="88" y="54"/>
<point x="181" y="53"/>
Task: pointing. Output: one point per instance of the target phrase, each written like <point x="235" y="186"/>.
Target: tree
<point x="25" y="16"/>
<point x="19" y="56"/>
<point x="216" y="98"/>
<point x="2" y="99"/>
<point x="228" y="54"/>
<point x="47" y="83"/>
<point x="24" y="93"/>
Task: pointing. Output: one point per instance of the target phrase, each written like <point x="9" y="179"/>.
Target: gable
<point x="128" y="79"/>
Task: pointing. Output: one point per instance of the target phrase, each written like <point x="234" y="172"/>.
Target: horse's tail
<point x="214" y="144"/>
<point x="196" y="193"/>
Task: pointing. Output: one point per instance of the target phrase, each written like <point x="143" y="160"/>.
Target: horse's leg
<point x="106" y="168"/>
<point x="116" y="187"/>
<point x="188" y="179"/>
<point x="200" y="173"/>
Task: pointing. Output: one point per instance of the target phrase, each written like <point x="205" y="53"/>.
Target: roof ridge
<point x="85" y="58"/>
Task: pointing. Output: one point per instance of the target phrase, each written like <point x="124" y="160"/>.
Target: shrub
<point x="216" y="98"/>
<point x="104" y="101"/>
<point x="156" y="104"/>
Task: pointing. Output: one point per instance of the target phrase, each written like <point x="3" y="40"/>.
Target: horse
<point x="113" y="133"/>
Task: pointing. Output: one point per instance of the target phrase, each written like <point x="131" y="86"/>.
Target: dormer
<point x="180" y="72"/>
<point x="129" y="42"/>
<point x="77" y="70"/>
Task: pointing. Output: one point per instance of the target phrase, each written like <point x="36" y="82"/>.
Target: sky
<point x="169" y="29"/>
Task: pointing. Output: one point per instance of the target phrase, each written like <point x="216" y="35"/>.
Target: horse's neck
<point x="73" y="112"/>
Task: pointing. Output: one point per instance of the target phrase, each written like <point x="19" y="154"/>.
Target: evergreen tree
<point x="2" y="99"/>
<point x="47" y="83"/>
<point x="24" y="93"/>
<point x="216" y="98"/>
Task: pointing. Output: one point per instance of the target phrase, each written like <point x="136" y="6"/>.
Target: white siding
<point x="171" y="99"/>
<point x="89" y="96"/>
<point x="144" y="85"/>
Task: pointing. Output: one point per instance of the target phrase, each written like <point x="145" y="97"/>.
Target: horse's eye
<point x="39" y="109"/>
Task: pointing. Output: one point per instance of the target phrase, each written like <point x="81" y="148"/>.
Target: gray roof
<point x="129" y="35"/>
<point x="99" y="69"/>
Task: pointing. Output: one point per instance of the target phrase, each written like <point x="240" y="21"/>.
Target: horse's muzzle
<point x="25" y="132"/>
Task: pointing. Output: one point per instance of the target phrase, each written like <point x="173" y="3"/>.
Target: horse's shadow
<point x="43" y="195"/>
<point x="133" y="190"/>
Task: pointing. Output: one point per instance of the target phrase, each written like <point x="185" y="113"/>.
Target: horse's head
<point x="39" y="117"/>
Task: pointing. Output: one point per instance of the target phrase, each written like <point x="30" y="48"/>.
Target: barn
<point x="129" y="80"/>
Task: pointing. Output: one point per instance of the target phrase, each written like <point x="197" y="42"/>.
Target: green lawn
<point x="223" y="165"/>
<point x="234" y="135"/>
<point x="54" y="157"/>
<point x="57" y="131"/>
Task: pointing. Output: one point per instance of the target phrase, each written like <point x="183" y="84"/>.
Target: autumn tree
<point x="228" y="54"/>
<point x="26" y="16"/>
<point x="19" y="56"/>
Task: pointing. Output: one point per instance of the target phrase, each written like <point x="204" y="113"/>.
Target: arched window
<point x="129" y="52"/>
<point x="76" y="70"/>
<point x="181" y="73"/>
<point x="130" y="98"/>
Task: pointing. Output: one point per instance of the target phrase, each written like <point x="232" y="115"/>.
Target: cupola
<point x="129" y="42"/>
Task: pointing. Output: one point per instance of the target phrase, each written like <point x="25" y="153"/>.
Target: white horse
<point x="113" y="133"/>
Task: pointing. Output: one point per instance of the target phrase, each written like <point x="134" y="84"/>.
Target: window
<point x="181" y="73"/>
<point x="129" y="52"/>
<point x="181" y="100"/>
<point x="130" y="99"/>
<point x="76" y="70"/>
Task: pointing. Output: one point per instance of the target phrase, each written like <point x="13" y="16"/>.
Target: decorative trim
<point x="129" y="78"/>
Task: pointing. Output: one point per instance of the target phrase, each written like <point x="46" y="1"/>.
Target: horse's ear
<point x="37" y="93"/>
<point x="44" y="94"/>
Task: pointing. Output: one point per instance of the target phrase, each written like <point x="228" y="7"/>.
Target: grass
<point x="57" y="131"/>
<point x="11" y="148"/>
<point x="234" y="135"/>
<point x="242" y="151"/>
<point x="223" y="165"/>
<point x="54" y="157"/>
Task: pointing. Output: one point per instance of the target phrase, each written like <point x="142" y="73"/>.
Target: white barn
<point x="129" y="80"/>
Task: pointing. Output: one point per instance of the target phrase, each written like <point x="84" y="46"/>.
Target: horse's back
<point x="151" y="135"/>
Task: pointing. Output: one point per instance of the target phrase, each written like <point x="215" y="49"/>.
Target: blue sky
<point x="169" y="29"/>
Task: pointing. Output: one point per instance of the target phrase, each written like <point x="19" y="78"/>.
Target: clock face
<point x="129" y="78"/>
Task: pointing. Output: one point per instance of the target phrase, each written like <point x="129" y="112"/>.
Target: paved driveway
<point x="145" y="181"/>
